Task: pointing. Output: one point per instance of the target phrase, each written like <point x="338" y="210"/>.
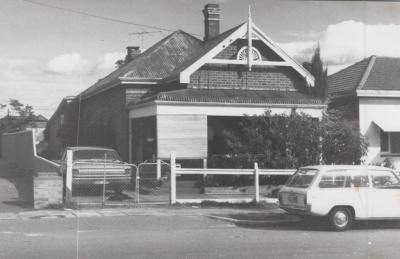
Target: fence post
<point x="172" y="197"/>
<point x="68" y="178"/>
<point x="158" y="169"/>
<point x="256" y="183"/>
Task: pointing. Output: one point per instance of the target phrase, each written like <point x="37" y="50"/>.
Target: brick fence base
<point x="47" y="190"/>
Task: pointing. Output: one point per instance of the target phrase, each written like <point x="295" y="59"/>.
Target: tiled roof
<point x="373" y="73"/>
<point x="384" y="75"/>
<point x="155" y="63"/>
<point x="234" y="97"/>
<point x="164" y="60"/>
<point x="347" y="80"/>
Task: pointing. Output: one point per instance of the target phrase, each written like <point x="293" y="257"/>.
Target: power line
<point x="143" y="33"/>
<point x="100" y="17"/>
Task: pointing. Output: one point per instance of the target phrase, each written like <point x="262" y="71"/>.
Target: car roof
<point x="77" y="148"/>
<point x="346" y="167"/>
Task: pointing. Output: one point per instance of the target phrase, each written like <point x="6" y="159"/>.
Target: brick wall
<point x="238" y="77"/>
<point x="61" y="133"/>
<point x="104" y="121"/>
<point x="47" y="190"/>
<point x="104" y="118"/>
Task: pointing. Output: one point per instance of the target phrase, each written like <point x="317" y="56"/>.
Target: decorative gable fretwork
<point x="243" y="32"/>
<point x="244" y="53"/>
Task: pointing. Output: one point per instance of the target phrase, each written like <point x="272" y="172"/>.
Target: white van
<point x="343" y="193"/>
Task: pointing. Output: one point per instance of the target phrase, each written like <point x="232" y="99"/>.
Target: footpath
<point x="240" y="216"/>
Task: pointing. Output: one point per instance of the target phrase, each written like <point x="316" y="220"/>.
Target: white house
<point x="373" y="84"/>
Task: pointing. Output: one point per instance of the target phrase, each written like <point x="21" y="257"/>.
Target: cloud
<point x="107" y="62"/>
<point x="347" y="42"/>
<point x="68" y="64"/>
<point x="44" y="83"/>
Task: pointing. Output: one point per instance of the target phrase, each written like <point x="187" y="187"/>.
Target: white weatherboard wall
<point x="186" y="135"/>
<point x="373" y="111"/>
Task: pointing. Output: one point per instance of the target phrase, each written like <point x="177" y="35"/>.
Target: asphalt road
<point x="189" y="237"/>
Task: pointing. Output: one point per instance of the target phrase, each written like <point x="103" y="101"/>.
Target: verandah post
<point x="172" y="196"/>
<point x="256" y="183"/>
<point x="158" y="169"/>
<point x="68" y="179"/>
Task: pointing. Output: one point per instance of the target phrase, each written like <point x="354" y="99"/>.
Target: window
<point x="302" y="178"/>
<point x="390" y="142"/>
<point x="382" y="179"/>
<point x="384" y="141"/>
<point x="334" y="181"/>
<point x="360" y="181"/>
<point x="394" y="142"/>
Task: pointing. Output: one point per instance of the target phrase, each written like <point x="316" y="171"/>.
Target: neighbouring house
<point x="372" y="88"/>
<point x="182" y="92"/>
<point x="62" y="128"/>
<point x="38" y="123"/>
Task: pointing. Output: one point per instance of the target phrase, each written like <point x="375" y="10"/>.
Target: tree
<point x="274" y="141"/>
<point x="342" y="142"/>
<point x="119" y="63"/>
<point x="316" y="68"/>
<point x="17" y="117"/>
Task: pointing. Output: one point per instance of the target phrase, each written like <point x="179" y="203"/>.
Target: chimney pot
<point x="212" y="14"/>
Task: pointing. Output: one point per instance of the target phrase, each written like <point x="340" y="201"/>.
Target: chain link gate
<point x="148" y="184"/>
<point x="153" y="185"/>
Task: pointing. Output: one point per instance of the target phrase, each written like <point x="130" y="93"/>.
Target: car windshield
<point x="302" y="178"/>
<point x="96" y="155"/>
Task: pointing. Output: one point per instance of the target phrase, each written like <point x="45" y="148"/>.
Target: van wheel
<point x="340" y="218"/>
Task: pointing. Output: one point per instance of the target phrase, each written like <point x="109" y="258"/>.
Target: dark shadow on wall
<point x="18" y="186"/>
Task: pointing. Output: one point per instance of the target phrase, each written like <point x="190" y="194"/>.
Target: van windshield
<point x="302" y="178"/>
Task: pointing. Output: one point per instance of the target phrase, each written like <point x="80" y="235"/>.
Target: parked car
<point x="342" y="194"/>
<point x="96" y="165"/>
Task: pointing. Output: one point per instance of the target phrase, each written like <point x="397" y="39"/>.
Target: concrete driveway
<point x="16" y="189"/>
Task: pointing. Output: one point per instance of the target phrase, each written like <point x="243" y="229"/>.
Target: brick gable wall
<point x="238" y="77"/>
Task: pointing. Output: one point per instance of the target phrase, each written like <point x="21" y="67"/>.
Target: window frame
<point x="389" y="135"/>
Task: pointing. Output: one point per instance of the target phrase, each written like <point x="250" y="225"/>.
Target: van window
<point x="302" y="178"/>
<point x="384" y="179"/>
<point x="360" y="181"/>
<point x="334" y="181"/>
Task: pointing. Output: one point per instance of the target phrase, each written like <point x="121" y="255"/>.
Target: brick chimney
<point x="212" y="14"/>
<point x="131" y="53"/>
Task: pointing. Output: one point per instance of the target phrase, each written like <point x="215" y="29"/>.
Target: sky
<point x="50" y="49"/>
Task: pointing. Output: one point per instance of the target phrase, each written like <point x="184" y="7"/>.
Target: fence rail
<point x="256" y="172"/>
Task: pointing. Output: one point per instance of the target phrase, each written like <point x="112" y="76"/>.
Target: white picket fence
<point x="212" y="171"/>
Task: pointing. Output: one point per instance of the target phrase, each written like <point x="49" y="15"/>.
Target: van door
<point x="385" y="194"/>
<point x="360" y="186"/>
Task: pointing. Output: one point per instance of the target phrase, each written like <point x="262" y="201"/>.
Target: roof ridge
<point x="367" y="72"/>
